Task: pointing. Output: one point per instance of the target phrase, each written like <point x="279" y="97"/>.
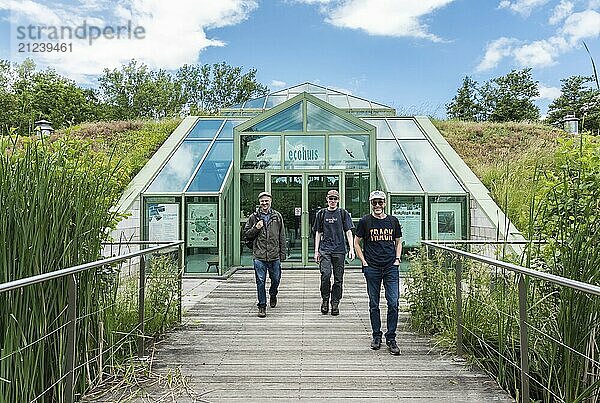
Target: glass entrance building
<point x="298" y="143"/>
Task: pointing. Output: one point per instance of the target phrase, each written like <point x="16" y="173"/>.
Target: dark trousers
<point x="391" y="282"/>
<point x="332" y="262"/>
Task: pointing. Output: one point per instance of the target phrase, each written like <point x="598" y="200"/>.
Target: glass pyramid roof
<point x="334" y="97"/>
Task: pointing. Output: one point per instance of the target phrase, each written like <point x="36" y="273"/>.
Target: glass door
<point x="317" y="188"/>
<point x="287" y="199"/>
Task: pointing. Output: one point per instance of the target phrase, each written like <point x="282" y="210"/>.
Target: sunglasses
<point x="377" y="202"/>
<point x="332" y="198"/>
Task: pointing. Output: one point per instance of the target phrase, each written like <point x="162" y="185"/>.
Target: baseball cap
<point x="333" y="192"/>
<point x="261" y="194"/>
<point x="377" y="194"/>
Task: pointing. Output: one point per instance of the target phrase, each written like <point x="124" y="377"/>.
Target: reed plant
<point x="564" y="347"/>
<point x="56" y="196"/>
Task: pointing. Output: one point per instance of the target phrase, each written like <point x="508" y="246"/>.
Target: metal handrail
<point x="72" y="289"/>
<point x="13" y="285"/>
<point x="522" y="294"/>
<point x="567" y="282"/>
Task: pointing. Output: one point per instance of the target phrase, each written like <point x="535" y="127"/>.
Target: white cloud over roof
<point x="399" y="18"/>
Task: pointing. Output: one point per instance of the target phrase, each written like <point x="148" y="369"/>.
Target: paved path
<point x="229" y="354"/>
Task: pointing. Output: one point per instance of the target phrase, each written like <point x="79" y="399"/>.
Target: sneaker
<point x="376" y="343"/>
<point x="262" y="311"/>
<point x="393" y="347"/>
<point x="335" y="310"/>
<point x="273" y="301"/>
<point x="325" y="306"/>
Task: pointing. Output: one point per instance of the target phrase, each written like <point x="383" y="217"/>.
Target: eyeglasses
<point x="332" y="198"/>
<point x="377" y="202"/>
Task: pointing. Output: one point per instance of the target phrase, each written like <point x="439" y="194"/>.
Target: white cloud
<point x="384" y="17"/>
<point x="575" y="27"/>
<point x="523" y="7"/>
<point x="561" y="11"/>
<point x="593" y="4"/>
<point x="175" y="34"/>
<point x="496" y="51"/>
<point x="578" y="26"/>
<point x="550" y="93"/>
<point x="278" y="84"/>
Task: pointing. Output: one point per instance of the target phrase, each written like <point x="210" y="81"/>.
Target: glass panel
<point x="236" y="106"/>
<point x="260" y="152"/>
<point x="255" y="103"/>
<point x="250" y="185"/>
<point x="394" y="168"/>
<point x="201" y="235"/>
<point x="274" y="100"/>
<point x="318" y="186"/>
<point x="348" y="152"/>
<point x="405" y="128"/>
<point x="289" y="119"/>
<point x="315" y="89"/>
<point x="287" y="199"/>
<point x="319" y="119"/>
<point x="227" y="130"/>
<point x="447" y="217"/>
<point x="205" y="129"/>
<point x="357" y="103"/>
<point x="177" y="172"/>
<point x="379" y="106"/>
<point x="383" y="130"/>
<point x="357" y="194"/>
<point x="304" y="152"/>
<point x="429" y="167"/>
<point x="409" y="211"/>
<point x="214" y="168"/>
<point x="339" y="101"/>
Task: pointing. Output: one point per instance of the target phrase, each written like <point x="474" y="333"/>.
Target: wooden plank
<point x="229" y="354"/>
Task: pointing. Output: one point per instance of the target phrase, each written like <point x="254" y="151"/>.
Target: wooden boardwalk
<point x="229" y="354"/>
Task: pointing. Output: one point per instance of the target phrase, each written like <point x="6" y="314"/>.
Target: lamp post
<point x="43" y="128"/>
<point x="571" y="124"/>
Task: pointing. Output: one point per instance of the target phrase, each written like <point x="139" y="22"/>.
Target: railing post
<point x="68" y="393"/>
<point x="459" y="316"/>
<point x="524" y="339"/>
<point x="179" y="275"/>
<point x="141" y="298"/>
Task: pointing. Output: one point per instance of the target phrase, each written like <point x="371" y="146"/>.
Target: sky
<point x="409" y="54"/>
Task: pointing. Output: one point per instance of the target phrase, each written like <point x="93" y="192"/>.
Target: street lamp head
<point x="43" y="127"/>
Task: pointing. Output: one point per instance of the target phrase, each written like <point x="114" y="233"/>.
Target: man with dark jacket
<point x="265" y="227"/>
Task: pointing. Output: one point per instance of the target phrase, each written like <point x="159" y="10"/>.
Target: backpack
<point x="249" y="243"/>
<point x="321" y="218"/>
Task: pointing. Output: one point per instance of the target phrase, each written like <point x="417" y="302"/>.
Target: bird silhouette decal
<point x="260" y="154"/>
<point x="350" y="153"/>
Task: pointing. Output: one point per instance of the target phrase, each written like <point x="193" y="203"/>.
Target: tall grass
<point x="564" y="323"/>
<point x="56" y="198"/>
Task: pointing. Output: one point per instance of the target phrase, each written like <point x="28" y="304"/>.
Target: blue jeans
<point x="391" y="283"/>
<point x="260" y="272"/>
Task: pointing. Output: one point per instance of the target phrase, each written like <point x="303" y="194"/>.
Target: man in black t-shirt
<point x="380" y="261"/>
<point x="332" y="226"/>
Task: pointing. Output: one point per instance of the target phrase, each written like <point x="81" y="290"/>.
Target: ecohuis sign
<point x="301" y="153"/>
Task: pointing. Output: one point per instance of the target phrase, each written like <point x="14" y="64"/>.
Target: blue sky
<point x="411" y="55"/>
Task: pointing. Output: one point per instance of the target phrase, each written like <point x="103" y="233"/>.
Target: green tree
<point x="27" y="95"/>
<point x="578" y="97"/>
<point x="465" y="105"/>
<point x="510" y="97"/>
<point x="207" y="88"/>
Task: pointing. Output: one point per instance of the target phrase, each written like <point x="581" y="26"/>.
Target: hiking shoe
<point x="325" y="306"/>
<point x="376" y="343"/>
<point x="335" y="311"/>
<point x="273" y="301"/>
<point x="393" y="347"/>
<point x="262" y="311"/>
